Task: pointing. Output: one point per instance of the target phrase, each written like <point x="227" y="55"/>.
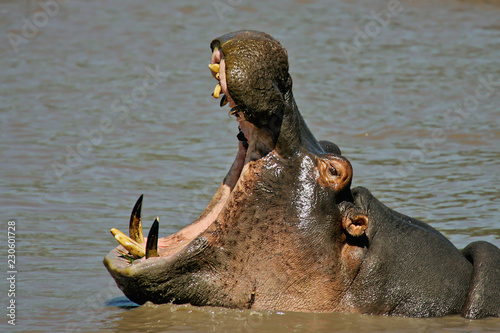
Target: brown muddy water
<point x="85" y="129"/>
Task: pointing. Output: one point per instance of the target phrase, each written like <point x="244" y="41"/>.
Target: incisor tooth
<point x="135" y="249"/>
<point x="217" y="91"/>
<point x="217" y="76"/>
<point x="214" y="67"/>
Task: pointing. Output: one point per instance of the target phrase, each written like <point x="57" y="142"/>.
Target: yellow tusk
<point x="217" y="76"/>
<point x="152" y="244"/>
<point x="214" y="67"/>
<point x="135" y="249"/>
<point x="135" y="226"/>
<point x="217" y="91"/>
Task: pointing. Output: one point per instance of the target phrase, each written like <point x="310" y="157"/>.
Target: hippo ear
<point x="355" y="225"/>
<point x="335" y="171"/>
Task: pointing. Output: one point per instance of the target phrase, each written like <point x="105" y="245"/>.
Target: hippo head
<point x="275" y="235"/>
<point x="284" y="231"/>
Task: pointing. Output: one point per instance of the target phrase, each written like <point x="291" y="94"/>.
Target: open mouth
<point x="253" y="144"/>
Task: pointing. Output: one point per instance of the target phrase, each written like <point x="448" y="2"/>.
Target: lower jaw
<point x="167" y="247"/>
<point x="174" y="243"/>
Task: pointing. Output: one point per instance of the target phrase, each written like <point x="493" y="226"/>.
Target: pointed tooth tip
<point x="114" y="231"/>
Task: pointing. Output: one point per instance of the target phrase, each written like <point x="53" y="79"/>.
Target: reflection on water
<point x="415" y="109"/>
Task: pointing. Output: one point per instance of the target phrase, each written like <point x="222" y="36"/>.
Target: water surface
<point x="391" y="106"/>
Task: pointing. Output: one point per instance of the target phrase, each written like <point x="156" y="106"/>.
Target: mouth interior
<point x="253" y="144"/>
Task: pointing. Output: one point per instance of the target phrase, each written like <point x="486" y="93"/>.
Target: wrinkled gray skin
<point x="292" y="235"/>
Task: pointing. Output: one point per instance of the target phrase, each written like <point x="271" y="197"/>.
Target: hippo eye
<point x="333" y="171"/>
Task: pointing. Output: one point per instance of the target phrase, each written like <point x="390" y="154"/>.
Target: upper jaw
<point x="253" y="72"/>
<point x="218" y="68"/>
<point x="257" y="142"/>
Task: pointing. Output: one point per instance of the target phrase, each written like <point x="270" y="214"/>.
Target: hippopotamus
<point x="285" y="230"/>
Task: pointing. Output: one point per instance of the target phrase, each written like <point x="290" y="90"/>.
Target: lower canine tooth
<point x="135" y="225"/>
<point x="217" y="91"/>
<point x="152" y="244"/>
<point x="135" y="249"/>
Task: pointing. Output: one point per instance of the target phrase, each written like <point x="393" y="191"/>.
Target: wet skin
<point x="284" y="231"/>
